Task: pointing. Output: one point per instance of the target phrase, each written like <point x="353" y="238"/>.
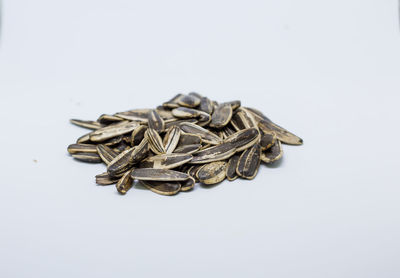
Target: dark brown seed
<point x="212" y="173"/>
<point x="204" y="119"/>
<point x="82" y="148"/>
<point x="105" y="179"/>
<point x="171" y="139"/>
<point x="86" y="124"/>
<point x="243" y="119"/>
<point x="122" y="146"/>
<point x="249" y="162"/>
<point x="158" y="174"/>
<point x="113" y="141"/>
<point x="192" y="171"/>
<point x="173" y="102"/>
<point x="221" y="116"/>
<point x="281" y="133"/>
<point x="155" y="141"/>
<point x="206" y="135"/>
<point x="106" y="153"/>
<point x="243" y="139"/>
<point x="108" y="119"/>
<point x="155" y="121"/>
<point x="187" y="184"/>
<point x="189" y="101"/>
<point x="206" y="105"/>
<point x="108" y="132"/>
<point x="141" y="152"/>
<point x="235" y="104"/>
<point x="272" y="154"/>
<point x="124" y="183"/>
<point x="231" y="167"/>
<point x="165" y="161"/>
<point x="189" y="149"/>
<point x="267" y="139"/>
<point x="215" y="153"/>
<point x="87" y="157"/>
<point x="138" y="135"/>
<point x="188" y="139"/>
<point x="167" y="188"/>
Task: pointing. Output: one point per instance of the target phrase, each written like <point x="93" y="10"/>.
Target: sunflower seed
<point x="109" y="132"/>
<point x="243" y="119"/>
<point x="163" y="188"/>
<point x="87" y="157"/>
<point x="206" y="105"/>
<point x="185" y="113"/>
<point x="151" y="174"/>
<point x="204" y="119"/>
<point x="173" y="102"/>
<point x="155" y="141"/>
<point x="187" y="184"/>
<point x="272" y="154"/>
<point x="249" y="162"/>
<point x="124" y="183"/>
<point x="212" y="173"/>
<point x="231" y="167"/>
<point x="113" y="141"/>
<point x="109" y="119"/>
<point x="83" y="139"/>
<point x="86" y="124"/>
<point x="281" y="133"/>
<point x="192" y="171"/>
<point x="235" y="104"/>
<point x="139" y="115"/>
<point x="189" y="149"/>
<point x="243" y="139"/>
<point x="82" y="148"/>
<point x="215" y="153"/>
<point x="165" y="161"/>
<point x="188" y="139"/>
<point x="138" y="135"/>
<point x="221" y="116"/>
<point x="195" y="95"/>
<point x="105" y="179"/>
<point x="206" y="135"/>
<point x="171" y="139"/>
<point x="189" y="101"/>
<point x="106" y="153"/>
<point x="120" y="147"/>
<point x="155" y="121"/>
<point x="178" y="122"/>
<point x="121" y="163"/>
<point x="267" y="138"/>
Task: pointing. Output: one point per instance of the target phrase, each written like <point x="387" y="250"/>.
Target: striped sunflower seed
<point x="206" y="105"/>
<point x="171" y="139"/>
<point x="272" y="154"/>
<point x="221" y="116"/>
<point x="173" y="102"/>
<point x="138" y="135"/>
<point x="155" y="121"/>
<point x="106" y="153"/>
<point x="161" y="187"/>
<point x="212" y="173"/>
<point x="86" y="124"/>
<point x="282" y="134"/>
<point x="124" y="183"/>
<point x="112" y="131"/>
<point x="105" y="179"/>
<point x="189" y="149"/>
<point x="231" y="167"/>
<point x="82" y="148"/>
<point x="190" y="101"/>
<point x="187" y="184"/>
<point x="206" y="135"/>
<point x="249" y="162"/>
<point x="215" y="153"/>
<point x="244" y="139"/>
<point x="155" y="141"/>
<point x="109" y="119"/>
<point x="151" y="174"/>
<point x="165" y="161"/>
<point x="87" y="157"/>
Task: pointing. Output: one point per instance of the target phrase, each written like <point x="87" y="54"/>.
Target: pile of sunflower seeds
<point x="200" y="139"/>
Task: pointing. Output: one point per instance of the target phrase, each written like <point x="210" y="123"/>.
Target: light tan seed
<point x="112" y="131"/>
<point x="86" y="124"/>
<point x="221" y="116"/>
<point x="204" y="119"/>
<point x="189" y="101"/>
<point x="281" y="133"/>
<point x="231" y="167"/>
<point x="206" y="135"/>
<point x="113" y="141"/>
<point x="244" y="139"/>
<point x="158" y="174"/>
<point x="82" y="148"/>
<point x="171" y="139"/>
<point x="187" y="184"/>
<point x="215" y="153"/>
<point x="106" y="153"/>
<point x="212" y="173"/>
<point x="87" y="157"/>
<point x="249" y="162"/>
<point x="155" y="141"/>
<point x="195" y="95"/>
<point x="161" y="187"/>
<point x="138" y="135"/>
<point x="105" y="179"/>
<point x="165" y="161"/>
<point x="124" y="183"/>
<point x="122" y="146"/>
<point x="155" y="121"/>
<point x="272" y="154"/>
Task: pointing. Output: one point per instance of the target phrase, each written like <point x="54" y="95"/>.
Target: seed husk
<point x="105" y="179"/>
<point x="214" y="153"/>
<point x="124" y="183"/>
<point x="235" y="104"/>
<point x="138" y="115"/>
<point x="244" y="139"/>
<point x="173" y="102"/>
<point x="151" y="174"/>
<point x="212" y="173"/>
<point x="106" y="153"/>
<point x="206" y="135"/>
<point x="249" y="162"/>
<point x="282" y="134"/>
<point x="221" y="116"/>
<point x="82" y="148"/>
<point x="110" y="132"/>
<point x="192" y="171"/>
<point x="188" y="139"/>
<point x="267" y="139"/>
<point x="167" y="188"/>
<point x="155" y="141"/>
<point x="243" y="119"/>
<point x="185" y="113"/>
<point x="187" y="184"/>
<point x="231" y="167"/>
<point x="138" y="135"/>
<point x="87" y="157"/>
<point x="113" y="141"/>
<point x="171" y="139"/>
<point x="206" y="105"/>
<point x="122" y="146"/>
<point x="83" y="139"/>
<point x="165" y="161"/>
<point x="272" y="154"/>
<point x="86" y="124"/>
<point x="195" y="95"/>
<point x="121" y="163"/>
<point x="108" y="119"/>
<point x="155" y="121"/>
<point x="189" y="149"/>
<point x="190" y="101"/>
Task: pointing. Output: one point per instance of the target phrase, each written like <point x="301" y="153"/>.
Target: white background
<point x="326" y="70"/>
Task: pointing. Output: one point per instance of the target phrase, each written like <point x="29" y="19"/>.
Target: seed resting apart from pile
<point x="186" y="140"/>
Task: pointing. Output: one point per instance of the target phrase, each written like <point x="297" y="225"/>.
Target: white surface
<point x="326" y="70"/>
